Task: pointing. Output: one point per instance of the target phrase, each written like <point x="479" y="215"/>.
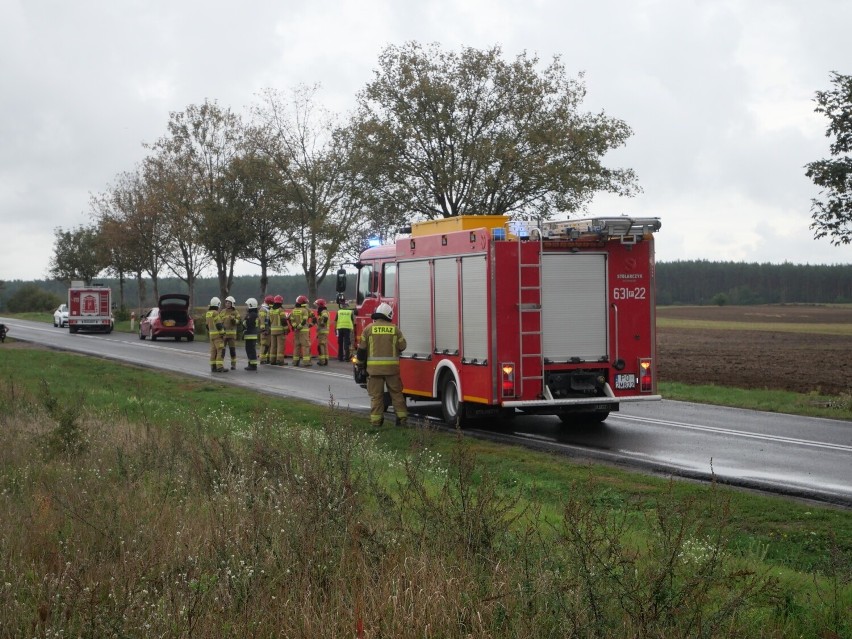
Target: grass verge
<point x="773" y="401"/>
<point x="142" y="503"/>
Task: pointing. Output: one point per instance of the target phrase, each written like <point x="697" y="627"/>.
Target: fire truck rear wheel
<point x="452" y="408"/>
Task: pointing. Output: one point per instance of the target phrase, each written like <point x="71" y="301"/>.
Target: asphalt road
<point x="798" y="456"/>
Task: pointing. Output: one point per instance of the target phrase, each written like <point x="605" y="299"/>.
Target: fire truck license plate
<point x="625" y="381"/>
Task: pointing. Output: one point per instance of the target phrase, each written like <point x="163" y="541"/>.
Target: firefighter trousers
<point x="276" y="348"/>
<point x="217" y="352"/>
<point x="376" y="388"/>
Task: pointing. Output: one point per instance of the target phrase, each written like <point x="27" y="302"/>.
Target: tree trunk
<point x="121" y="280"/>
<point x="140" y="292"/>
<point x="264" y="279"/>
<point x="224" y="289"/>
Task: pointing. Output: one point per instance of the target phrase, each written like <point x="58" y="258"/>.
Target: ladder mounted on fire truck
<point x="628" y="230"/>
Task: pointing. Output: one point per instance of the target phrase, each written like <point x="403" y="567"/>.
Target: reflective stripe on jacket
<point x="230" y="317"/>
<point x="381" y="343"/>
<point x="250" y="322"/>
<point x="278" y="321"/>
<point x="213" y="322"/>
<point x="322" y="321"/>
<point x="300" y="319"/>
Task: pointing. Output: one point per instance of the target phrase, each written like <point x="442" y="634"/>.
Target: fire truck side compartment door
<point x="446" y="305"/>
<point x="415" y="307"/>
<point x="574" y="306"/>
<point x="474" y="308"/>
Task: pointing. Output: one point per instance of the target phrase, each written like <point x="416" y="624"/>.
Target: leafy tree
<point x="719" y="299"/>
<point x="204" y="140"/>
<point x="443" y="134"/>
<point x="313" y="157"/>
<point x="832" y="215"/>
<point x="117" y="212"/>
<point x="78" y="254"/>
<point x="32" y="298"/>
<point x="255" y="188"/>
<point x="134" y="230"/>
<point x="170" y="190"/>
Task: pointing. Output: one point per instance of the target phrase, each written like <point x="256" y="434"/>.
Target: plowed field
<point x="801" y="356"/>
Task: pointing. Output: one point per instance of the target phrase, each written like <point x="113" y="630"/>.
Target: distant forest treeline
<point x="695" y="282"/>
<point x="701" y="282"/>
<point x="245" y="286"/>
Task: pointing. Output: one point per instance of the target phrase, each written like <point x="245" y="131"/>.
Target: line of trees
<point x="434" y="134"/>
<point x="704" y="282"/>
<point x="697" y="282"/>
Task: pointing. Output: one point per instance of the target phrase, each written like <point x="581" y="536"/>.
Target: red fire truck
<point x="502" y="317"/>
<point x="89" y="308"/>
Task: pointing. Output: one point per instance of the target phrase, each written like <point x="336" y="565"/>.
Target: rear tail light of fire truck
<point x="508" y="379"/>
<point x="646" y="380"/>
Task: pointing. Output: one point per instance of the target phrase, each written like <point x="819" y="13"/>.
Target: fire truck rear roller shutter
<point x="574" y="303"/>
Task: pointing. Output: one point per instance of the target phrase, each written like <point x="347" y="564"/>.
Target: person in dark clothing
<point x="250" y="324"/>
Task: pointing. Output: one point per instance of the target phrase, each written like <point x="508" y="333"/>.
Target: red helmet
<point x="277" y="300"/>
<point x="320" y="302"/>
<point x="269" y="300"/>
<point x="301" y="299"/>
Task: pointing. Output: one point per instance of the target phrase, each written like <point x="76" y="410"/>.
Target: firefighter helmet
<point x="251" y="303"/>
<point x="386" y="310"/>
<point x="321" y="302"/>
<point x="215" y="301"/>
<point x="277" y="300"/>
<point x="269" y="299"/>
<point x="231" y="299"/>
<point x="301" y="299"/>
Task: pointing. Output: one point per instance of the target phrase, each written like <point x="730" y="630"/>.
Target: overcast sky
<point x="719" y="95"/>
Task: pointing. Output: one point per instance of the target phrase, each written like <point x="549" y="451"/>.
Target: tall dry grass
<point x="113" y="528"/>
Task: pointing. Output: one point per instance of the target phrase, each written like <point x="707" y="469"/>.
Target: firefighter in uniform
<point x="300" y="320"/>
<point x="231" y="319"/>
<point x="278" y="330"/>
<point x="250" y="325"/>
<point x="378" y="351"/>
<point x="345" y="324"/>
<point x="323" y="320"/>
<point x="263" y="325"/>
<point x="216" y="331"/>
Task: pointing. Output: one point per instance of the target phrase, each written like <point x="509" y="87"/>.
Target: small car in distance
<point x="60" y="316"/>
<point x="170" y="318"/>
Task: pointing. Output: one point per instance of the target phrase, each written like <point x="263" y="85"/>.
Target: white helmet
<point x="231" y="299"/>
<point x="386" y="310"/>
<point x="251" y="303"/>
<point x="215" y="301"/>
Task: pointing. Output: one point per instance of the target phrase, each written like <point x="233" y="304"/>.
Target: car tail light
<point x="646" y="379"/>
<point x="508" y="378"/>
